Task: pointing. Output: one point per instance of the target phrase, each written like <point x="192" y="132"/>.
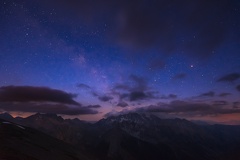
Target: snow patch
<point x="13" y="124"/>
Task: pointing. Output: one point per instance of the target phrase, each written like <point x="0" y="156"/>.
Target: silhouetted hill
<point x="68" y="130"/>
<point x="24" y="143"/>
<point x="6" y="116"/>
<point x="141" y="137"/>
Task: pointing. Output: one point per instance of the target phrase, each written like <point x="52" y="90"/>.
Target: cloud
<point x="124" y="87"/>
<point x="219" y="103"/>
<point x="94" y="106"/>
<point x="123" y="96"/>
<point x="229" y="77"/>
<point x="236" y="104"/>
<point x="83" y="86"/>
<point x="157" y="64"/>
<point x="122" y="104"/>
<point x="137" y="83"/>
<point x="238" y="87"/>
<point x="140" y="83"/>
<point x="207" y="94"/>
<point x="40" y="99"/>
<point x="35" y="94"/>
<point x="116" y="113"/>
<point x="137" y="96"/>
<point x="147" y="27"/>
<point x="94" y="93"/>
<point x="190" y="108"/>
<point x="224" y="94"/>
<point x="46" y="108"/>
<point x="179" y="108"/>
<point x="105" y="98"/>
<point x="179" y="76"/>
<point x="185" y="109"/>
<point x="101" y="97"/>
<point x="134" y="90"/>
<point x="170" y="96"/>
<point x="152" y="24"/>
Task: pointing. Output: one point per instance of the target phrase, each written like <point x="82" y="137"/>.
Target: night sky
<point x="92" y="59"/>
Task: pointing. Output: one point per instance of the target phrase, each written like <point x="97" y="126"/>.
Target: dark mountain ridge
<point x="24" y="143"/>
<point x="180" y="137"/>
<point x="140" y="136"/>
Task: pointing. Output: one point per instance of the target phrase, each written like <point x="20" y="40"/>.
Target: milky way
<point x="178" y="58"/>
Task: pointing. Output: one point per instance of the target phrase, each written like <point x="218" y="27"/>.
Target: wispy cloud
<point x="207" y="94"/>
<point x="122" y="104"/>
<point x="229" y="77"/>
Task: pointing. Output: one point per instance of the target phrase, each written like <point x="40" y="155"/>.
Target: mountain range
<point x="131" y="136"/>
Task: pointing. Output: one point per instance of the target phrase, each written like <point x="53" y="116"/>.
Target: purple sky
<point x="91" y="59"/>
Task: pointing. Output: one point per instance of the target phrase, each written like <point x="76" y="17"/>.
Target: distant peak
<point x="133" y="117"/>
<point x="6" y="115"/>
<point x="46" y="115"/>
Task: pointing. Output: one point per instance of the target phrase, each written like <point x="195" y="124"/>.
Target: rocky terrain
<point x="131" y="136"/>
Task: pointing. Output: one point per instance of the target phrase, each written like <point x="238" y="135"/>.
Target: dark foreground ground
<point x="126" y="137"/>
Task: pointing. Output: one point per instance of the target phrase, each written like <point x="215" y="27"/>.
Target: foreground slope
<point x="24" y="143"/>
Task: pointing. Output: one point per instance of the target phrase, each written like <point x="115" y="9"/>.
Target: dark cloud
<point x="94" y="106"/>
<point x="46" y="108"/>
<point x="179" y="76"/>
<point x="224" y="94"/>
<point x="95" y="94"/>
<point x="190" y="108"/>
<point x="229" y="77"/>
<point x="137" y="96"/>
<point x="238" y="87"/>
<point x="170" y="96"/>
<point x="136" y="83"/>
<point x="122" y="104"/>
<point x="190" y="26"/>
<point x="124" y="87"/>
<point x="40" y="99"/>
<point x="219" y="103"/>
<point x="157" y="64"/>
<point x="83" y="86"/>
<point x="134" y="90"/>
<point x="101" y="97"/>
<point x="207" y="94"/>
<point x="35" y="94"/>
<point x="105" y="98"/>
<point x="140" y="83"/>
<point x="123" y="96"/>
<point x="133" y="96"/>
<point x="236" y="104"/>
<point x="179" y="108"/>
